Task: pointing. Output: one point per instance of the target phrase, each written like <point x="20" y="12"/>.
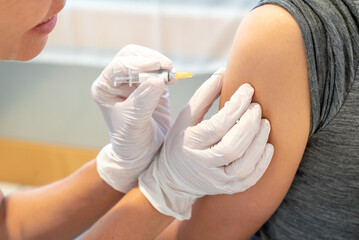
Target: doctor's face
<point x="25" y="25"/>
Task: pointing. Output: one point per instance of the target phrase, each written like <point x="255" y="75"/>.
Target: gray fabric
<point x="323" y="200"/>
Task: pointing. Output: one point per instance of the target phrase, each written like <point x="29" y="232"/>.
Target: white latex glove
<point x="223" y="155"/>
<point x="138" y="117"/>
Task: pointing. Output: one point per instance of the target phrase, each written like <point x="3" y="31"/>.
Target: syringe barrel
<point x="144" y="76"/>
<point x="167" y="76"/>
<point x="133" y="77"/>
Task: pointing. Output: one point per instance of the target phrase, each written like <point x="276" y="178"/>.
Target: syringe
<point x="133" y="77"/>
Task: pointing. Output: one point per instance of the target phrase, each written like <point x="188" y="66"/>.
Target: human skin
<point x="18" y="40"/>
<point x="66" y="208"/>
<point x="62" y="210"/>
<point x="69" y="206"/>
<point x="268" y="52"/>
<point x="132" y="218"/>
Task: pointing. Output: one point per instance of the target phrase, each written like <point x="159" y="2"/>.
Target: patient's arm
<point x="269" y="53"/>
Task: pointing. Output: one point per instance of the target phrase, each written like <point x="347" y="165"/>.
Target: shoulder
<point x="272" y="20"/>
<point x="270" y="25"/>
<point x="269" y="53"/>
<point x="269" y="40"/>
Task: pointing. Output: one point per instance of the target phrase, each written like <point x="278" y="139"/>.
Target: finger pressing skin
<point x="235" y="143"/>
<point x="244" y="166"/>
<point x="209" y="132"/>
<point x="240" y="185"/>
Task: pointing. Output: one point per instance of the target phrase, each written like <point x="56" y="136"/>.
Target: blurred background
<point x="49" y="124"/>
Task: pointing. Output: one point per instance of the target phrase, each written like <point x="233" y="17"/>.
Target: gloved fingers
<point x="163" y="120"/>
<point x="194" y="111"/>
<point x="164" y="102"/>
<point x="244" y="166"/>
<point x="138" y="64"/>
<point x="143" y="101"/>
<point x="240" y="185"/>
<point x="126" y="65"/>
<point x="104" y="94"/>
<point x="105" y="89"/>
<point x="161" y="114"/>
<point x="137" y="50"/>
<point x="210" y="132"/>
<point x="236" y="142"/>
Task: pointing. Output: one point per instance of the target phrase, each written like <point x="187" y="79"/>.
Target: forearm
<point x="61" y="210"/>
<point x="132" y="218"/>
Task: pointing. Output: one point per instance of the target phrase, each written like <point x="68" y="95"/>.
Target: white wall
<point x="48" y="99"/>
<point x="52" y="103"/>
<point x="196" y="37"/>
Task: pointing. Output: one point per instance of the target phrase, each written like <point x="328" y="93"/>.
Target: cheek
<point x="17" y="18"/>
<point x="21" y="15"/>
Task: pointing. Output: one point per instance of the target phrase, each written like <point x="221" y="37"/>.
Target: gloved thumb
<point x="201" y="101"/>
<point x="143" y="101"/>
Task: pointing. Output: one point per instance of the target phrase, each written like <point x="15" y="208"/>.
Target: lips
<point x="47" y="26"/>
<point x="45" y="21"/>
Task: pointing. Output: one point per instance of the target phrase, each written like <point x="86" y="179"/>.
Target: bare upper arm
<point x="269" y="53"/>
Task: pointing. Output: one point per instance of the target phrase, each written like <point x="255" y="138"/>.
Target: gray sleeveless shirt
<point x="323" y="200"/>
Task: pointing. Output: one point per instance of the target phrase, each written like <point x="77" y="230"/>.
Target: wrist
<point x="163" y="197"/>
<point x="120" y="174"/>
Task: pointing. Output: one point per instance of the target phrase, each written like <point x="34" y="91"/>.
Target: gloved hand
<point x="223" y="155"/>
<point x="138" y="117"/>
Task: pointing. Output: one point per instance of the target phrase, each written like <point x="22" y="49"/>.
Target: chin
<point x="30" y="51"/>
